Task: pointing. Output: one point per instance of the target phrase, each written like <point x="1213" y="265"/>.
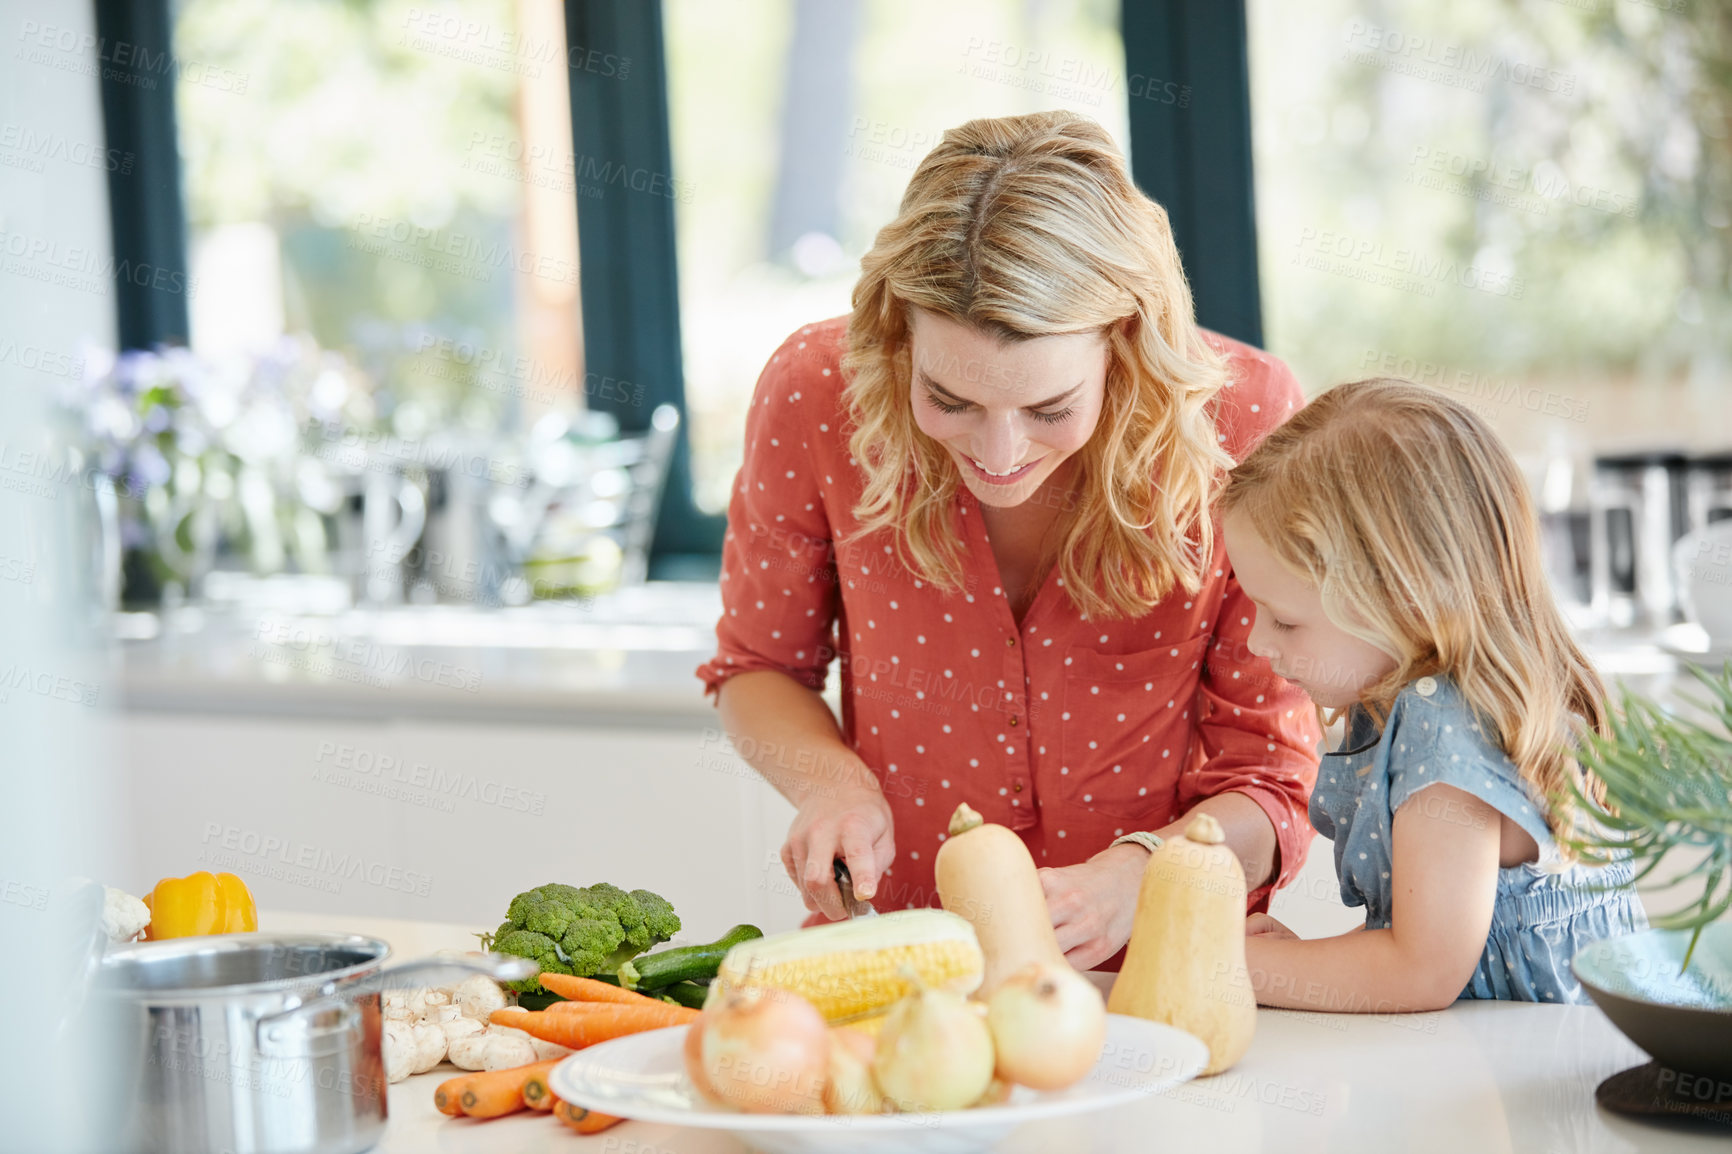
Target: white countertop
<point x="626" y="659"/>
<point x="1480" y="1076"/>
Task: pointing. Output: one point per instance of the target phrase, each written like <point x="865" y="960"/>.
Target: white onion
<point x="851" y="1089"/>
<point x="934" y="1053"/>
<point x="765" y="1051"/>
<point x="1048" y="1023"/>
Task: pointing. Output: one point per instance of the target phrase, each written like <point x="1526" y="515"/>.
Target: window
<point x="397" y="180"/>
<point x="796" y="143"/>
<point x="1522" y="204"/>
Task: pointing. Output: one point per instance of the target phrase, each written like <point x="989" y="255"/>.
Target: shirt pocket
<point x="1128" y="727"/>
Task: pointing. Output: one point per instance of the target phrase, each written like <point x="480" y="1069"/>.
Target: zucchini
<point x="683" y="963"/>
<point x="684" y="994"/>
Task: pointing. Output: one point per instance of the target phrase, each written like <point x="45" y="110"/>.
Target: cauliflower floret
<point x="123" y="916"/>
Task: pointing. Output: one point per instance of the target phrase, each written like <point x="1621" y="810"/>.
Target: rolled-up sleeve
<point x="778" y="577"/>
<point x="1259" y="735"/>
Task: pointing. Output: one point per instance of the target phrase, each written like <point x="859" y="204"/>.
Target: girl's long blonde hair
<point x="1022" y="227"/>
<point x="1415" y="525"/>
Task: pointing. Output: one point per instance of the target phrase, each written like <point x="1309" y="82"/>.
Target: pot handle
<point x="325" y="1023"/>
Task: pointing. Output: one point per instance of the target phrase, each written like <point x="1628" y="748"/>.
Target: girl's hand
<point x="1264" y="926"/>
<point x="849" y="822"/>
<point x="1093" y="904"/>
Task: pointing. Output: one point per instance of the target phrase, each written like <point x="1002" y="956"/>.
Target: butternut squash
<point x="1185" y="965"/>
<point x="985" y="874"/>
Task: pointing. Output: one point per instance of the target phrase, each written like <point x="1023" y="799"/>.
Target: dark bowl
<point x="1682" y="1018"/>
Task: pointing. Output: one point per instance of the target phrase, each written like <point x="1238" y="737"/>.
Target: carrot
<point x="497" y="1092"/>
<point x="537" y="1094"/>
<point x="581" y="1120"/>
<point x="449" y="1096"/>
<point x="586" y="990"/>
<point x="578" y="1028"/>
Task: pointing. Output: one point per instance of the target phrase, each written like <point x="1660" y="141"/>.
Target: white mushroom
<point x="503" y="1052"/>
<point x="460" y="1028"/>
<point x="429" y="1046"/>
<point x="478" y="996"/>
<point x="543" y="1050"/>
<point x="398" y="1048"/>
<point x="490" y="1050"/>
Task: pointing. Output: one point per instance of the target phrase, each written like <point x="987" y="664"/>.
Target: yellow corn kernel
<point x="855" y="968"/>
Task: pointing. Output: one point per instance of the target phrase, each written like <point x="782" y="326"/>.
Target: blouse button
<point x="1426" y="686"/>
<point x="1013" y="719"/>
<point x="1010" y="641"/>
<point x="1017" y="787"/>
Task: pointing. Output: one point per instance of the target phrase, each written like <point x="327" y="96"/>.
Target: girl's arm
<point x="1443" y="887"/>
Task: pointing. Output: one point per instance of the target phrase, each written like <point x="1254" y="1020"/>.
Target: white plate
<point x="642" y="1077"/>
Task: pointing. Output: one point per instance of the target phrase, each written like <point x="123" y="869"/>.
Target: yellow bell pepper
<point x="200" y="903"/>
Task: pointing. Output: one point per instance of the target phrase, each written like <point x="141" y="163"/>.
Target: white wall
<point x="446" y="822"/>
<point x="57" y="819"/>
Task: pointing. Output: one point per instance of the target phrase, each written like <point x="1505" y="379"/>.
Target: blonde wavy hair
<point x="1023" y="227"/>
<point x="1406" y="513"/>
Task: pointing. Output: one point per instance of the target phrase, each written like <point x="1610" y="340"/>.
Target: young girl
<point x="1389" y="545"/>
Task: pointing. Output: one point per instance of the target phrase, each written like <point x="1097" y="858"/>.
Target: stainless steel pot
<point x="259" y="1043"/>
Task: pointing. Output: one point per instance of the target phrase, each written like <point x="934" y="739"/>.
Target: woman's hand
<point x="1094" y="904"/>
<point x="849" y="822"/>
<point x="1264" y="926"/>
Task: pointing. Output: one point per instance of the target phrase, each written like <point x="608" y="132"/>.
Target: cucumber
<point x="684" y="963"/>
<point x="685" y="994"/>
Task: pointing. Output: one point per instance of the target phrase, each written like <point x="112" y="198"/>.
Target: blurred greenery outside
<point x="1536" y="194"/>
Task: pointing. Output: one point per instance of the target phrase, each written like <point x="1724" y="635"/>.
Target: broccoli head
<point x="583" y="931"/>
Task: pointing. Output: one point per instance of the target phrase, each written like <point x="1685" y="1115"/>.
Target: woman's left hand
<point x="1094" y="904"/>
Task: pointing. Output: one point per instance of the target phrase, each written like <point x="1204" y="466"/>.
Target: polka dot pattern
<point x="1065" y="730"/>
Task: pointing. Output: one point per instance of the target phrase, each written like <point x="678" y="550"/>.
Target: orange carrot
<point x="497" y="1092"/>
<point x="579" y="1028"/>
<point x="585" y="990"/>
<point x="449" y="1096"/>
<point x="537" y="1094"/>
<point x="581" y="1120"/>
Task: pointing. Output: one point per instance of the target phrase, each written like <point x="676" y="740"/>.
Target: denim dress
<point x="1545" y="911"/>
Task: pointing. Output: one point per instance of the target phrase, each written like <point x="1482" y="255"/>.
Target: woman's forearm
<point x="1249" y="834"/>
<point x="787" y="733"/>
<point x="1366" y="972"/>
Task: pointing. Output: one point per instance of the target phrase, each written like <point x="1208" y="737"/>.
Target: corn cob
<point x="853" y="969"/>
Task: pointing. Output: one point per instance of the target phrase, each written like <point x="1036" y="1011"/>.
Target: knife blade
<point x="845" y="882"/>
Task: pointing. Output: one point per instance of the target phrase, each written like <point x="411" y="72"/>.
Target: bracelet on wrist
<point x="1149" y="841"/>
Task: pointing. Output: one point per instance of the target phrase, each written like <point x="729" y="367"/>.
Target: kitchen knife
<point x="855" y="907"/>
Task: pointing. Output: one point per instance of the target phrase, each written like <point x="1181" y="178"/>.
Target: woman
<point x="987" y="492"/>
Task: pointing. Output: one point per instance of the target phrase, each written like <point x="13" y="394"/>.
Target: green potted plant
<point x="1668" y="798"/>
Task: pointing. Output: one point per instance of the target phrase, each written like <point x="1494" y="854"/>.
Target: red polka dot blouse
<point x="1068" y="731"/>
